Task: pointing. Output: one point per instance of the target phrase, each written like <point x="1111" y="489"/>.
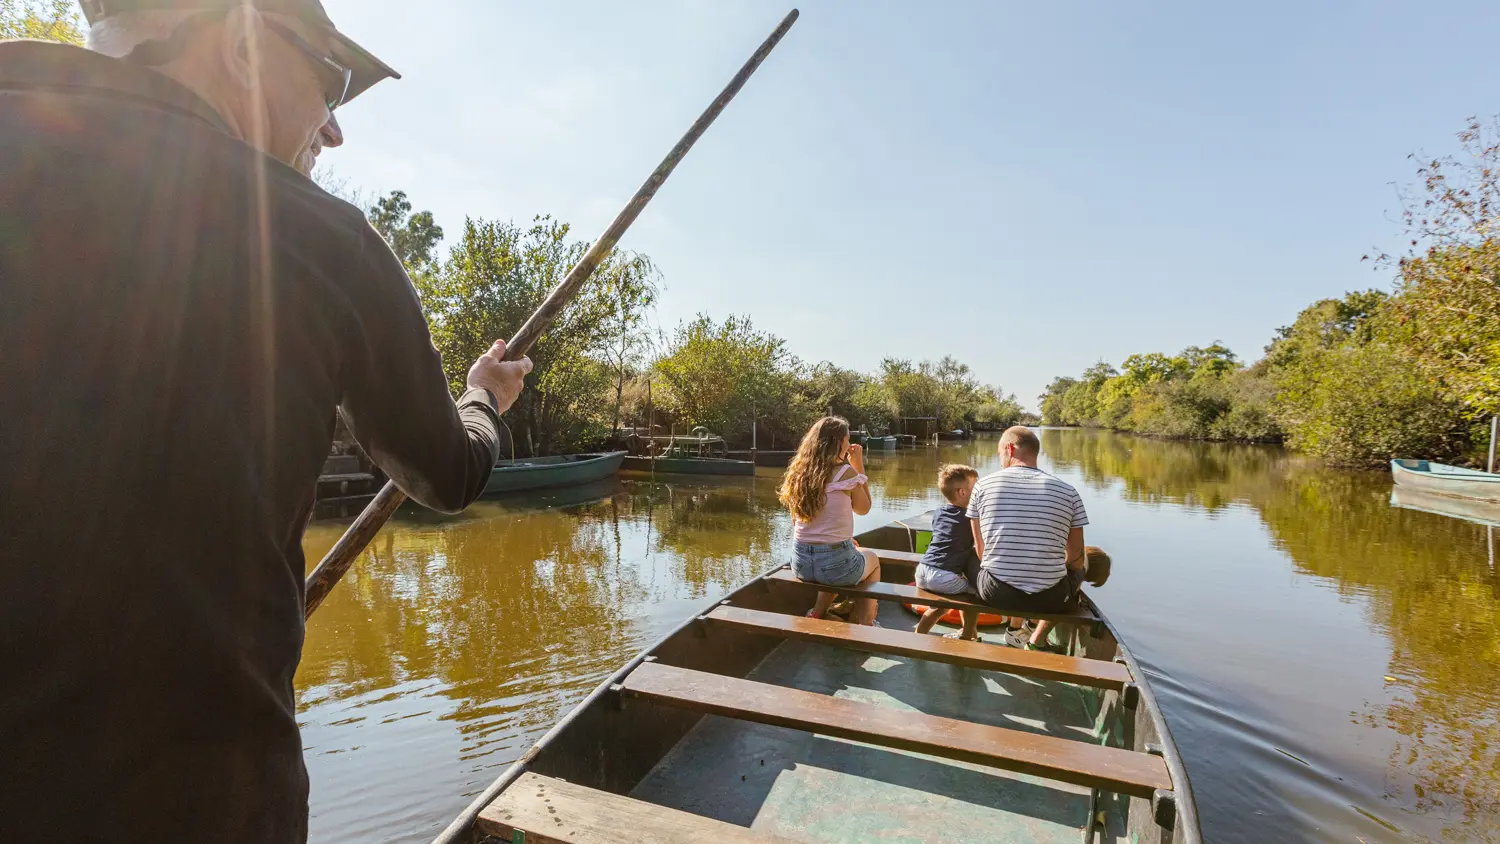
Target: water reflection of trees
<point x="502" y="612"/>
<point x="1425" y="579"/>
<point x="512" y="613"/>
<point x="907" y="481"/>
<point x="1430" y="589"/>
<point x="1195" y="474"/>
<point x="715" y="536"/>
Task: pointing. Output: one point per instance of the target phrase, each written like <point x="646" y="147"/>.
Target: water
<point x="1328" y="663"/>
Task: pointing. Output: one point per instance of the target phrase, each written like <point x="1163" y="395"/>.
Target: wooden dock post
<point x="1494" y="430"/>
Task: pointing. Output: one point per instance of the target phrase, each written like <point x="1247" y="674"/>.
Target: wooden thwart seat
<point x="1078" y="762"/>
<point x="903" y="559"/>
<point x="882" y="591"/>
<point x="551" y="811"/>
<point x="988" y="657"/>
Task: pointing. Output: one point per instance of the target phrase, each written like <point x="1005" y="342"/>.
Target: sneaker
<point x="1017" y="637"/>
<point x="1047" y="647"/>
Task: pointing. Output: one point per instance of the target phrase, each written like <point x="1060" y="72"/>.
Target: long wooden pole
<point x="375" y="515"/>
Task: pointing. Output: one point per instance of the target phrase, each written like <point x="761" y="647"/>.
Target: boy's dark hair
<point x="1096" y="565"/>
<point x="952" y="476"/>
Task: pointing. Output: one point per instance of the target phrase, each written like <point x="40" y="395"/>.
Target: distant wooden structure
<point x="922" y="427"/>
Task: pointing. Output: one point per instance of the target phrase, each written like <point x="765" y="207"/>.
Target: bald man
<point x="1028" y="530"/>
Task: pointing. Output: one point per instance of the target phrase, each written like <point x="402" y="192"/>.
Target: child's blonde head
<point x="803" y="489"/>
<point x="954" y="477"/>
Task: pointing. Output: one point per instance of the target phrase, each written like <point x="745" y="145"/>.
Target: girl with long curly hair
<point x="825" y="487"/>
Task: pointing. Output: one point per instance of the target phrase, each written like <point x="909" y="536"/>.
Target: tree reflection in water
<point x="1424" y="580"/>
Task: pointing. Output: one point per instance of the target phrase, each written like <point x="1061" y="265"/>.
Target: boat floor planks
<point x="816" y="787"/>
<point x="1071" y="760"/>
<point x="551" y="811"/>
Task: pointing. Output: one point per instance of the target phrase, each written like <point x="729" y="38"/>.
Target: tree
<point x="630" y="288"/>
<point x="1362" y="405"/>
<point x="997" y="410"/>
<point x="909" y="389"/>
<point x="1326" y="324"/>
<point x="1213" y="361"/>
<point x="1054" y="411"/>
<point x="491" y="282"/>
<point x="716" y="374"/>
<point x="833" y="388"/>
<point x="1445" y="315"/>
<point x="413" y="237"/>
<point x="47" y="20"/>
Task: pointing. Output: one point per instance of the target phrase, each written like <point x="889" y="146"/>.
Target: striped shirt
<point x="1025" y="516"/>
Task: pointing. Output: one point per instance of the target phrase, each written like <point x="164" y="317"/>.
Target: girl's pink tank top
<point x="835" y="523"/>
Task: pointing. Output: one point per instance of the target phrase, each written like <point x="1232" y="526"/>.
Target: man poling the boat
<point x="184" y="312"/>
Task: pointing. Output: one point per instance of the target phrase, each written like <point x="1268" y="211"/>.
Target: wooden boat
<point x="768" y="459"/>
<point x="544" y="472"/>
<point x="689" y="465"/>
<point x="343" y="478"/>
<point x="752" y="723"/>
<point x="1440" y="479"/>
<point x="906" y="440"/>
<point x="880" y="443"/>
<point x="952" y="436"/>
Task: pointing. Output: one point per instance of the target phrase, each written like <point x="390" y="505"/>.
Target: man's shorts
<point x="1060" y="597"/>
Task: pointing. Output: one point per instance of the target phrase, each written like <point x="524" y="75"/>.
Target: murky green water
<point x="1329" y="664"/>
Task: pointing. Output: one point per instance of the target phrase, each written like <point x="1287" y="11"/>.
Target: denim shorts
<point x="941" y="581"/>
<point x="833" y="565"/>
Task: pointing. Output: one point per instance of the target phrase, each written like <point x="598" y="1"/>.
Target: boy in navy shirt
<point x="950" y="564"/>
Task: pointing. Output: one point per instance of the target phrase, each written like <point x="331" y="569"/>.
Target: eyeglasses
<point x="336" y="77"/>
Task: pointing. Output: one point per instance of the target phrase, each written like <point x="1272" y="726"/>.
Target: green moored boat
<point x="689" y="465"/>
<point x="753" y="723"/>
<point x="545" y="472"/>
<point x="774" y="459"/>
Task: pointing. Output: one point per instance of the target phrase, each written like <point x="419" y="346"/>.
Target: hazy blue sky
<point x="1028" y="186"/>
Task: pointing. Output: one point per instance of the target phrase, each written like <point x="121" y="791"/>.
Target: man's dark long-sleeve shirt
<point x="180" y="316"/>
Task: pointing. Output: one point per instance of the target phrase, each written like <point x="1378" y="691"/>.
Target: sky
<point x="1030" y="187"/>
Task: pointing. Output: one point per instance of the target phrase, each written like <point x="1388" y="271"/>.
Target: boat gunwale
<point x="1187" y="809"/>
<point x="464" y="823"/>
<point x="1458" y="472"/>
